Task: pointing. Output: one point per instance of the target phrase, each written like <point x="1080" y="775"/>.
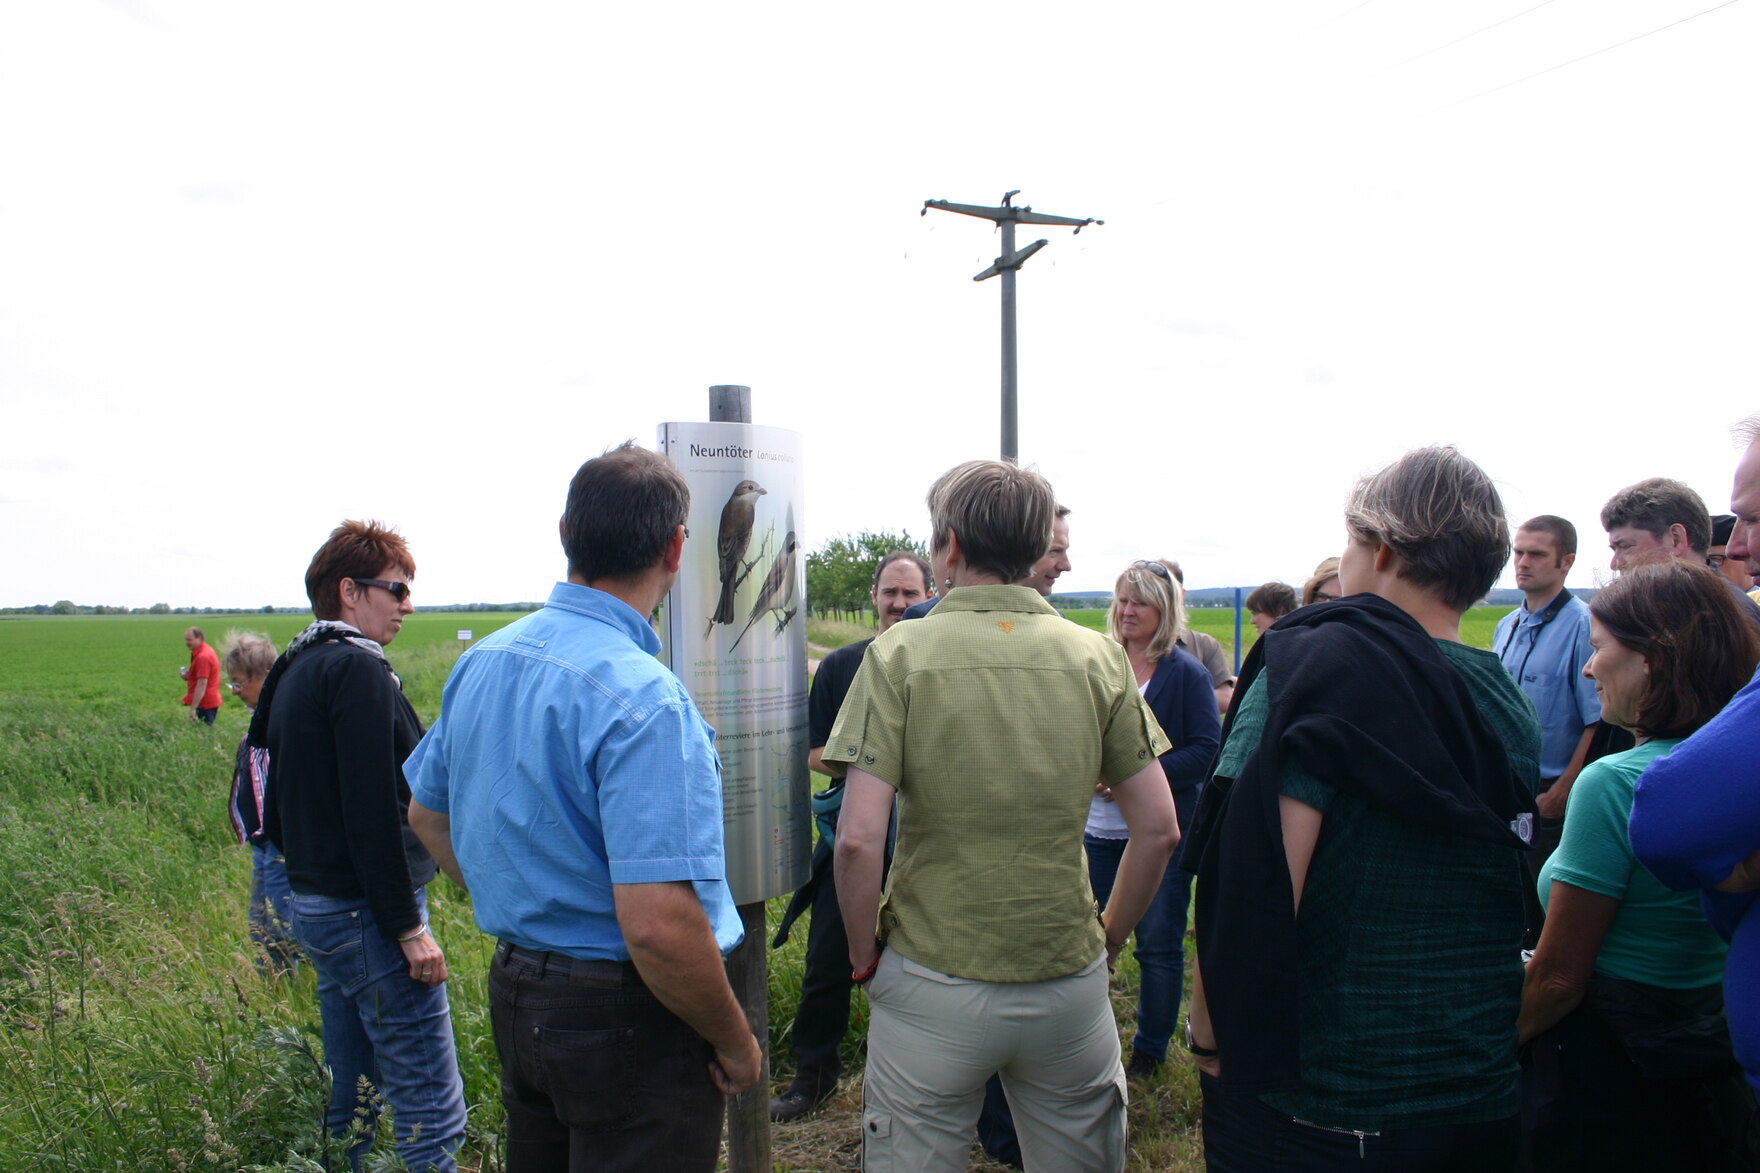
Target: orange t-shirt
<point x="203" y="662"/>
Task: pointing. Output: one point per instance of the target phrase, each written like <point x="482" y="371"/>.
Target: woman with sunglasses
<point x="337" y="726"/>
<point x="1629" y="1064"/>
<point x="1147" y="615"/>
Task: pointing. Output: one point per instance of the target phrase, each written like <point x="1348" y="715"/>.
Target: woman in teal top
<point x="1628" y="1062"/>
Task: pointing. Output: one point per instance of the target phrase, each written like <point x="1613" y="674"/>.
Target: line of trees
<point x="840" y="573"/>
<point x="69" y="607"/>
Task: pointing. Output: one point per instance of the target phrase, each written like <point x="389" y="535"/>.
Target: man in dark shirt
<point x="900" y="580"/>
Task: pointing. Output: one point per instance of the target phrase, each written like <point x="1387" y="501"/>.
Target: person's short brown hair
<point x="195" y="631"/>
<point x="355" y="549"/>
<point x="249" y="655"/>
<point x="1694" y="635"/>
<point x="915" y="559"/>
<point x="1562" y="532"/>
<point x="623" y="507"/>
<point x="1001" y="512"/>
<point x="1655" y="504"/>
<point x="1442" y="515"/>
<point x="1275" y="599"/>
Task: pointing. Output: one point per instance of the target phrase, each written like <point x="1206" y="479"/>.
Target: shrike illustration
<point x="778" y="591"/>
<point x="737" y="517"/>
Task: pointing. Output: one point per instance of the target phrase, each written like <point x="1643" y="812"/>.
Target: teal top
<point x="1409" y="943"/>
<point x="1658" y="936"/>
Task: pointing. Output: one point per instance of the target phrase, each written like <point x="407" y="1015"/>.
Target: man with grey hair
<point x="1696" y="812"/>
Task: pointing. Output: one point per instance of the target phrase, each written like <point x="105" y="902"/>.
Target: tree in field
<point x="840" y="572"/>
<point x="63" y="607"/>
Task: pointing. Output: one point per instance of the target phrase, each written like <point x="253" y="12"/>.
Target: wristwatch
<point x="1194" y="1048"/>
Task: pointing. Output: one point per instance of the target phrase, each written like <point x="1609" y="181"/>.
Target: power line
<point x="1339" y="16"/>
<point x="1464" y="37"/>
<point x="1530" y="77"/>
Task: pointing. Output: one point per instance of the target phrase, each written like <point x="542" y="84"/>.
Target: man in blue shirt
<point x="1544" y="644"/>
<point x="579" y="788"/>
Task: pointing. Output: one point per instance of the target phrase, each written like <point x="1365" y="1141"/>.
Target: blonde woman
<point x="1146" y="616"/>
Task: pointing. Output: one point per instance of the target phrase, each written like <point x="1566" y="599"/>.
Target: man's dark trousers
<point x="595" y="1073"/>
<point x="823" y="1016"/>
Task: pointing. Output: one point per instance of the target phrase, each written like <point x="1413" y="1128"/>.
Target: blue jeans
<point x="275" y="951"/>
<point x="384" y="1034"/>
<point x="1161" y="934"/>
<point x="596" y="1075"/>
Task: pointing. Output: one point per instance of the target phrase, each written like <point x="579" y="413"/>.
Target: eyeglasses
<point x="397" y="590"/>
<point x="1715" y="561"/>
<point x="236" y="687"/>
<point x="1152" y="568"/>
<point x="1324" y="597"/>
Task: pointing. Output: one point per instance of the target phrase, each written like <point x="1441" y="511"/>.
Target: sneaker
<point x="1141" y="1066"/>
<point x="800" y="1100"/>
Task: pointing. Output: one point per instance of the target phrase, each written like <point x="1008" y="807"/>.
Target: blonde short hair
<point x="1328" y="568"/>
<point x="248" y="655"/>
<point x="1002" y="514"/>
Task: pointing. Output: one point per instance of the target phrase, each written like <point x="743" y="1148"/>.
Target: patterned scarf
<point x="320" y="632"/>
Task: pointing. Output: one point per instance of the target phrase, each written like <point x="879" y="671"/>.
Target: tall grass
<point x="135" y="1031"/>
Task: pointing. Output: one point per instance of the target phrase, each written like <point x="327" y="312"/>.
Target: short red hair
<point x="355" y="549"/>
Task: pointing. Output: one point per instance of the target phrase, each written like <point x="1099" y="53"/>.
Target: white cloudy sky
<point x="264" y="266"/>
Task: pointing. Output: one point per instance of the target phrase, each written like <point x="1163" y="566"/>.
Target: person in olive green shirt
<point x="990" y="721"/>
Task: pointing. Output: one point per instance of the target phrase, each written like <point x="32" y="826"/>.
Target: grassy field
<point x="1476" y="628"/>
<point x="135" y="1034"/>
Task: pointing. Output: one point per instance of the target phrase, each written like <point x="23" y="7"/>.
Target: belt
<point x="579" y="971"/>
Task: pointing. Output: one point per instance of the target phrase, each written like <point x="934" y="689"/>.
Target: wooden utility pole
<point x="1006" y="217"/>
<point x="748" y="967"/>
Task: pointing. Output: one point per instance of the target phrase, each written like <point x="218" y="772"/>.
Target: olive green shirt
<point x="993" y="717"/>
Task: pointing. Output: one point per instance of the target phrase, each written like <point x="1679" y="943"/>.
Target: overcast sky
<point x="263" y="267"/>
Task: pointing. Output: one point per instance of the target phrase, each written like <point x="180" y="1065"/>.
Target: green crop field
<point x="1476" y="627"/>
<point x="135" y="1033"/>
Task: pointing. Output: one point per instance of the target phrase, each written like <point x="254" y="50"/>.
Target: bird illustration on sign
<point x="737" y="519"/>
<point x="778" y="590"/>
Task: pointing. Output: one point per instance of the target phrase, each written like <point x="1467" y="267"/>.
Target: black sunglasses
<point x="397" y="590"/>
<point x="1153" y="568"/>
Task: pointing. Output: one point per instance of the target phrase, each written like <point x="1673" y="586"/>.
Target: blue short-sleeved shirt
<point x="569" y="759"/>
<point x="1546" y="661"/>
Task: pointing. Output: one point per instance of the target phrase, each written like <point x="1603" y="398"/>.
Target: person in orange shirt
<point x="201" y="679"/>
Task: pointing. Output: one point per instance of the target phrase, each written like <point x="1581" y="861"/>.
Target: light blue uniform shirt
<point x="1546" y="661"/>
<point x="570" y="759"/>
